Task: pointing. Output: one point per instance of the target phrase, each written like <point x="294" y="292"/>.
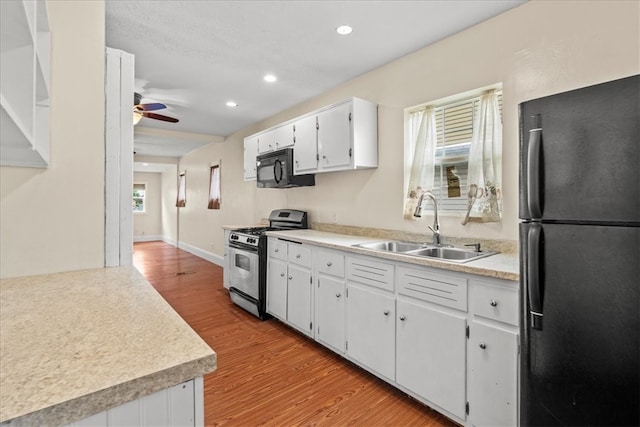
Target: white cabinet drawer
<point x="370" y="272"/>
<point x="330" y="262"/>
<point x="300" y="255"/>
<point x="433" y="287"/>
<point x="277" y="249"/>
<point x="495" y="302"/>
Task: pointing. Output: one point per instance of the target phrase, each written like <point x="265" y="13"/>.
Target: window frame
<point x="215" y="203"/>
<point x="182" y="190"/>
<point x="441" y="162"/>
<point x="143" y="198"/>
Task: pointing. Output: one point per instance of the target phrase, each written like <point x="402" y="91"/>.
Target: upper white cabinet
<point x="342" y="136"/>
<point x="24" y="83"/>
<point x="250" y="153"/>
<point x="306" y="148"/>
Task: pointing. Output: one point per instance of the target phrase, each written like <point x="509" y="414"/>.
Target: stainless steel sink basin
<point x="451" y="254"/>
<point x="424" y="250"/>
<point x="392" y="246"/>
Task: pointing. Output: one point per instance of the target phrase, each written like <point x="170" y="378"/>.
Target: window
<point x="454" y="128"/>
<point x="181" y="200"/>
<point x="214" y="187"/>
<point x="139" y="191"/>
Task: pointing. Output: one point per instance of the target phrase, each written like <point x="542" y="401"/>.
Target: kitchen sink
<point x="451" y="254"/>
<point x="428" y="251"/>
<point x="392" y="246"/>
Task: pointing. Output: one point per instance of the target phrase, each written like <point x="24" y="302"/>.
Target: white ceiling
<point x="194" y="56"/>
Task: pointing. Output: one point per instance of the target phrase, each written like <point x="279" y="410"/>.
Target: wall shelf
<point x="24" y="87"/>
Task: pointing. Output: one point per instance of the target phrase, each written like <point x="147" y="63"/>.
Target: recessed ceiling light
<point x="343" y="30"/>
<point x="270" y="78"/>
<point x="232" y="104"/>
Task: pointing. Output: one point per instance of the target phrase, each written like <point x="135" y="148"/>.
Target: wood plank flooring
<point x="267" y="373"/>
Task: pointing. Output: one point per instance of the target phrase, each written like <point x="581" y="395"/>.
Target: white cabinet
<point x="430" y="355"/>
<point x="371" y="329"/>
<point x="348" y="136"/>
<point x="180" y="405"/>
<point x="250" y="153"/>
<point x="284" y="136"/>
<point x="266" y="141"/>
<point x="24" y="83"/>
<point x="493" y="354"/>
<point x="329" y="299"/>
<point x="305" y="154"/>
<point x="371" y="312"/>
<point x="493" y="373"/>
<point x="289" y="284"/>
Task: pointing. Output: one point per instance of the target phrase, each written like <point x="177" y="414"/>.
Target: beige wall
<point x="537" y="49"/>
<point x="53" y="219"/>
<point x="169" y="215"/>
<point x="148" y="225"/>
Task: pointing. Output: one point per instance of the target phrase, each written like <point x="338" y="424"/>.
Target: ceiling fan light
<point x="136" y="117"/>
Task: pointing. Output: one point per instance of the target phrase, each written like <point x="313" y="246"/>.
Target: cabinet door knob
<point x="298" y="256"/>
<point x="277" y="250"/>
<point x="483" y="345"/>
<point x="290" y="277"/>
<point x="386" y="312"/>
<point x="493" y="303"/>
<point x="338" y="295"/>
<point x="281" y="274"/>
<point x="329" y="264"/>
<point x="403" y="317"/>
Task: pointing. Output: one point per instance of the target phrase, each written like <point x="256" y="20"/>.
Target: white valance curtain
<point x="422" y="130"/>
<point x="485" y="163"/>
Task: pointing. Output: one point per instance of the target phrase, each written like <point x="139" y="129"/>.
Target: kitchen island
<point x="75" y="344"/>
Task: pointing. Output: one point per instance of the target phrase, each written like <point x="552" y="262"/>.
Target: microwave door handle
<point x="277" y="165"/>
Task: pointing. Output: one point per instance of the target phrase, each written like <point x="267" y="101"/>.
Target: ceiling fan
<point x="143" y="110"/>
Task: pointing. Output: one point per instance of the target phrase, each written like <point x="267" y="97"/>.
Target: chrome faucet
<point x="436" y="222"/>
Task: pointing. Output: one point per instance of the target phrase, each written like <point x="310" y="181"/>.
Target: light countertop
<point x="502" y="266"/>
<point x="74" y="344"/>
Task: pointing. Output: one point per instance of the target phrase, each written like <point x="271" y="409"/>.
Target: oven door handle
<point x="242" y="247"/>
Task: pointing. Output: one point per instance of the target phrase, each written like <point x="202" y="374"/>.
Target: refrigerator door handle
<point x="533" y="173"/>
<point x="534" y="287"/>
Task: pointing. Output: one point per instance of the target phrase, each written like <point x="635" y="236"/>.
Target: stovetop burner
<point x="254" y="231"/>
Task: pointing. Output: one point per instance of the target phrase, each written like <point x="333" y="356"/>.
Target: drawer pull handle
<point x="403" y="317"/>
<point x="493" y="303"/>
<point x="338" y="295"/>
<point x="386" y="312"/>
<point x="483" y="345"/>
<point x="329" y="264"/>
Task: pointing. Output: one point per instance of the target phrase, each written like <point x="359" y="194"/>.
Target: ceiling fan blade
<point x="151" y="106"/>
<point x="160" y="117"/>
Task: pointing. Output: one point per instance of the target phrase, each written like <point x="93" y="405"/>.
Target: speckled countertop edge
<point x="77" y="343"/>
<point x="502" y="266"/>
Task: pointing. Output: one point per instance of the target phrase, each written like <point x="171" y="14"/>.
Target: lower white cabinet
<point x="289" y="284"/>
<point x="299" y="298"/>
<point x="447" y="338"/>
<point x="330" y="296"/>
<point x="371" y="329"/>
<point x="180" y="405"/>
<point x="430" y="355"/>
<point x="277" y="288"/>
<point x="493" y="370"/>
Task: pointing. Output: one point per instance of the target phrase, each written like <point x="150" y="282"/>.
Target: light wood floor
<point x="267" y="373"/>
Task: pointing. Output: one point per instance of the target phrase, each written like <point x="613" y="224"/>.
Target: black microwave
<point x="275" y="170"/>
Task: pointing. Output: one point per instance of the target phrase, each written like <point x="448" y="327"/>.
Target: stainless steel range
<point x="248" y="260"/>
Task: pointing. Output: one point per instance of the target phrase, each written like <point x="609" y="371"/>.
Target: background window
<point x="214" y="187"/>
<point x="181" y="200"/>
<point x="139" y="191"/>
<point x="455" y="122"/>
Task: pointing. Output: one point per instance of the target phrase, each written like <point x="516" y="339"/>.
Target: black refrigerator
<point x="579" y="256"/>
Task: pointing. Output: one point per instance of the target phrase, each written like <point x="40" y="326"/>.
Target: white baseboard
<point x="209" y="256"/>
<point x="169" y="241"/>
<point x="148" y="238"/>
